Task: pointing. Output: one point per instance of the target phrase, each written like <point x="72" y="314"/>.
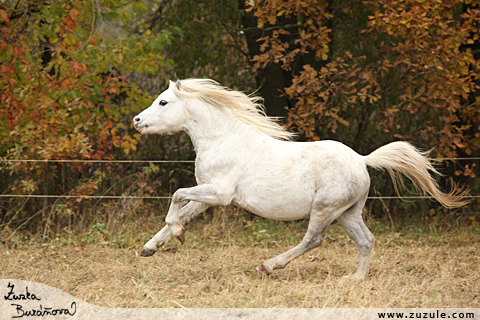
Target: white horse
<point x="242" y="158"/>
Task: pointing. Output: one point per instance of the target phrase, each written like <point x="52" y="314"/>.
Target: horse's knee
<point x="172" y="220"/>
<point x="179" y="195"/>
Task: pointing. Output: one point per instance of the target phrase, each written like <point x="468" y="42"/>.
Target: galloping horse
<point x="244" y="158"/>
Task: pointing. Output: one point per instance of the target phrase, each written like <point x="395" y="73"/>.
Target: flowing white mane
<point x="246" y="108"/>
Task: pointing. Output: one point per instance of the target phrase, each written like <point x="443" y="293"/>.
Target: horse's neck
<point x="211" y="127"/>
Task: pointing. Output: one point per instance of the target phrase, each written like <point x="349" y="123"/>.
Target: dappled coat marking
<point x="245" y="158"/>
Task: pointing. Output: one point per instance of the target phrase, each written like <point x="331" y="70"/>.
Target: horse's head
<point x="167" y="113"/>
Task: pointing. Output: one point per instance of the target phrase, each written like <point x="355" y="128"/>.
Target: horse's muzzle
<point x="140" y="127"/>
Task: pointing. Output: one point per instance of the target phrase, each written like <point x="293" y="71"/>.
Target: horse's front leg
<point x="187" y="212"/>
<point x="200" y="197"/>
<point x="206" y="194"/>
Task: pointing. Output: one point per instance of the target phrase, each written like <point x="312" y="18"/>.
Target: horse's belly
<point x="275" y="204"/>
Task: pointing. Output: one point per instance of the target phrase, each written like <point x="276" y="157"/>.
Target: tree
<point x="276" y="34"/>
<point x="408" y="68"/>
<point x="63" y="89"/>
<point x="211" y="44"/>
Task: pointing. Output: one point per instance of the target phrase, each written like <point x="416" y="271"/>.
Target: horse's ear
<point x="176" y="83"/>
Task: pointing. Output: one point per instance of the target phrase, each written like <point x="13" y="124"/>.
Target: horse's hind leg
<point x="353" y="223"/>
<point x="317" y="226"/>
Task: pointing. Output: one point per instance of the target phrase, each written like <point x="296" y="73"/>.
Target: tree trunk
<point x="270" y="80"/>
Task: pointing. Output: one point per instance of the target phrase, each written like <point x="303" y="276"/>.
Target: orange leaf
<point x="4" y="16"/>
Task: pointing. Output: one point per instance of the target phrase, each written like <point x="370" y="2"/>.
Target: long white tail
<point x="403" y="158"/>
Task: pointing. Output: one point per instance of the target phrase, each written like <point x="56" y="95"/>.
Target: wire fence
<point x="97" y="161"/>
<point x="79" y="196"/>
<point x="168" y="197"/>
<point x="86" y="197"/>
<point x="164" y="161"/>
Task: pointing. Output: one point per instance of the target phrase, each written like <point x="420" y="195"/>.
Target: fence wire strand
<point x="169" y="197"/>
<point x="160" y="161"/>
<point x="79" y="196"/>
<point x="97" y="161"/>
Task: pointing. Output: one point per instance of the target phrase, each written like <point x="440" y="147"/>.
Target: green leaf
<point x="139" y="7"/>
<point x="110" y="16"/>
<point x="178" y="30"/>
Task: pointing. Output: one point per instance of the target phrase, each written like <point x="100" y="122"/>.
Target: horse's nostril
<point x="137" y="119"/>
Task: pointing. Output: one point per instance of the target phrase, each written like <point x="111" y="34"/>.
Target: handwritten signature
<point x="34" y="312"/>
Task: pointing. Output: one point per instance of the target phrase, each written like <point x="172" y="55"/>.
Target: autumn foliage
<point x="383" y="70"/>
<point x="64" y="93"/>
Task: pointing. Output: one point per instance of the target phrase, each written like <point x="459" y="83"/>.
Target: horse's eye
<point x="163" y="102"/>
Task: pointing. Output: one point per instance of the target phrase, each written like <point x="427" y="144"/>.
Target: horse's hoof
<point x="147" y="253"/>
<point x="263" y="270"/>
<point x="181" y="237"/>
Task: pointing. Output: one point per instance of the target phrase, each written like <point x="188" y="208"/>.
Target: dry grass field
<point x="413" y="267"/>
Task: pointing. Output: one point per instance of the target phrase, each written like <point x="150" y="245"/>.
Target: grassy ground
<point x="411" y="267"/>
